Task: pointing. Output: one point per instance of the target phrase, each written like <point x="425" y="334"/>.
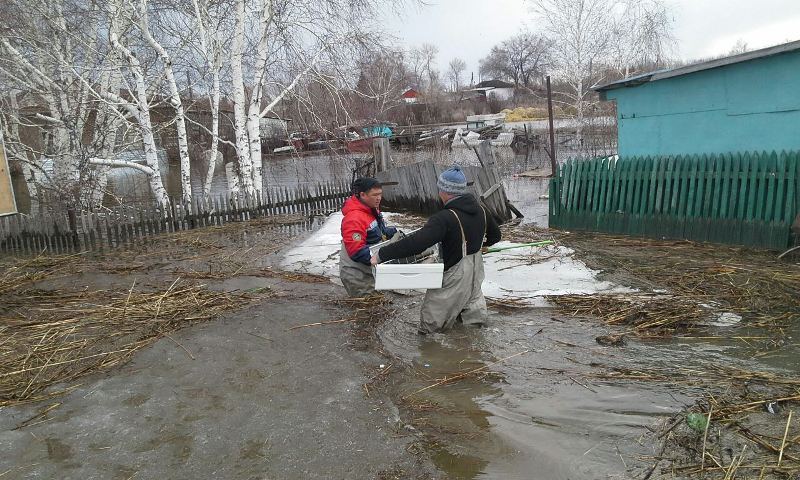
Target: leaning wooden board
<point x="8" y="205"/>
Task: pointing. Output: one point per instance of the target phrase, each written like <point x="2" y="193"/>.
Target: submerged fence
<point x="125" y="225"/>
<point x="745" y="199"/>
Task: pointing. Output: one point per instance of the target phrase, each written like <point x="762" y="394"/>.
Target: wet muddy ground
<point x="241" y="396"/>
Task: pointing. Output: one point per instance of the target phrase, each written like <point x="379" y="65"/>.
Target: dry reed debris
<point x="53" y="337"/>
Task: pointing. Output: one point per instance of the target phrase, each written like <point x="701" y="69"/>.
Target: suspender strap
<point x="463" y="237"/>
<point x="485" y="223"/>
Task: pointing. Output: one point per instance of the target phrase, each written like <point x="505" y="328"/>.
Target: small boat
<point x="359" y="139"/>
<point x="361" y="144"/>
<point x="319" y="145"/>
<point x="287" y="149"/>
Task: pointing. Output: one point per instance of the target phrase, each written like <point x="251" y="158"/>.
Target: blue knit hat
<point x="453" y="181"/>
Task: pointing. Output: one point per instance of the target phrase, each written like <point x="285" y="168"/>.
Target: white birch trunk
<point x="175" y="102"/>
<point x="66" y="140"/>
<point x="253" y="110"/>
<point x="239" y="100"/>
<point x="254" y="136"/>
<point x="142" y="115"/>
<point x="212" y="53"/>
<point x="214" y="132"/>
<point x="232" y="178"/>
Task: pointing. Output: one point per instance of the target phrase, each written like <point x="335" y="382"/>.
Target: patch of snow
<point x="725" y="319"/>
<point x="318" y="253"/>
<point x="507" y="275"/>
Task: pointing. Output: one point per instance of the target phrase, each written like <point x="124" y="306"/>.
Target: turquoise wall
<point x="749" y="106"/>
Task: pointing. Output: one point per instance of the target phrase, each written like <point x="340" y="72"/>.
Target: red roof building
<point x="410" y="96"/>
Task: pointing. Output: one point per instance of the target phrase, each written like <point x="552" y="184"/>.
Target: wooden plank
<point x="570" y="184"/>
<point x="722" y="211"/>
<point x="791" y="207"/>
<point x="490" y="191"/>
<point x="718" y="185"/>
<point x="602" y="186"/>
<point x="744" y="185"/>
<point x="631" y="191"/>
<point x="677" y="180"/>
<point x="706" y="186"/>
<point x="773" y="173"/>
<point x="789" y="185"/>
<point x="620" y="185"/>
<point x="691" y="198"/>
<point x="646" y="172"/>
<point x="753" y="185"/>
<point x="591" y="181"/>
<point x="761" y="189"/>
<point x="611" y="182"/>
<point x="583" y="180"/>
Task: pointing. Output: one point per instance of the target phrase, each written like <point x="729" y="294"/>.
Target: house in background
<point x="745" y="102"/>
<point x="495" y="89"/>
<point x="273" y="126"/>
<point x="410" y="96"/>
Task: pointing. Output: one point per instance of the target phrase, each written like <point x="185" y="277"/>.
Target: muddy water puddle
<point x="544" y="414"/>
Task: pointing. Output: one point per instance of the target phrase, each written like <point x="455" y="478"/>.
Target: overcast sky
<point x="469" y="28"/>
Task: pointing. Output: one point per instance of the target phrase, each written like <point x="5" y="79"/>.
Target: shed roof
<point x="494" y="84"/>
<point x="697" y="67"/>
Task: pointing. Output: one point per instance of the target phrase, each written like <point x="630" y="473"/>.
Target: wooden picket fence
<point x="748" y="199"/>
<point x="121" y="226"/>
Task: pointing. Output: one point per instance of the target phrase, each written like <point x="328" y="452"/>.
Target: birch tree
<point x="642" y="36"/>
<point x="174" y="100"/>
<point x="211" y="49"/>
<point x="240" y="99"/>
<point x="271" y="38"/>
<point x="87" y="76"/>
<point x="455" y="69"/>
<point x="383" y="77"/>
<point x="518" y="59"/>
<point x="45" y="63"/>
<point x="71" y="59"/>
<point x="587" y="35"/>
<point x="119" y="12"/>
<point x="581" y="33"/>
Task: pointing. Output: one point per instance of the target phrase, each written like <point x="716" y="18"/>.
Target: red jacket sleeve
<point x="354" y="235"/>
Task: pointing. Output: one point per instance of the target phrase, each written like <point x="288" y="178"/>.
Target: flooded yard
<point x="544" y="390"/>
<point x="598" y="351"/>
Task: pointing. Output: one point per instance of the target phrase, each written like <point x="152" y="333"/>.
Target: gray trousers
<point x="460" y="296"/>
<point x="356" y="277"/>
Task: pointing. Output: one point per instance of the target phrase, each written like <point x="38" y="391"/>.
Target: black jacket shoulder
<point x="464" y="212"/>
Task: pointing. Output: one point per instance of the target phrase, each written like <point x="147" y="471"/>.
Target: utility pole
<point x="553" y="163"/>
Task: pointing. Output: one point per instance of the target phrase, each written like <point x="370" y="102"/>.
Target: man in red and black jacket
<point x="362" y="226"/>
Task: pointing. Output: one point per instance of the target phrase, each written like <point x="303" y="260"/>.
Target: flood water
<point x="546" y="415"/>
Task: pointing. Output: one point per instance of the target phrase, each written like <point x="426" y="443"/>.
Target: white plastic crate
<point x="410" y="276"/>
<point x="421" y="271"/>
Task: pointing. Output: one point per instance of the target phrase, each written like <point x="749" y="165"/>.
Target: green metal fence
<point x="744" y="198"/>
